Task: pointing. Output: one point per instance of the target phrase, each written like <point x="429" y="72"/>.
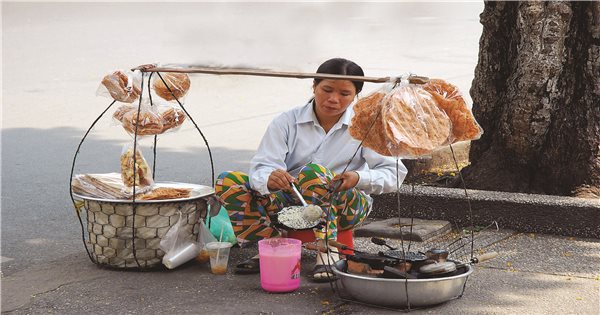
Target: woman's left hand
<point x="349" y="180"/>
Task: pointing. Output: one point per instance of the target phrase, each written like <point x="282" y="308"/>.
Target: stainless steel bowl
<point x="392" y="292"/>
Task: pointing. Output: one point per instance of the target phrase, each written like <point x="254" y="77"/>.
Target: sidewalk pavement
<point x="533" y="274"/>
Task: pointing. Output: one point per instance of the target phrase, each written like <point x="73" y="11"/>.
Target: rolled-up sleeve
<point x="381" y="175"/>
<point x="270" y="155"/>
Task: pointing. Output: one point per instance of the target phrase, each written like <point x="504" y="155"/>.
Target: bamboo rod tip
<point x="144" y="67"/>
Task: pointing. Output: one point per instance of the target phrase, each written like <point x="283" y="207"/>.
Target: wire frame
<point x="79" y="205"/>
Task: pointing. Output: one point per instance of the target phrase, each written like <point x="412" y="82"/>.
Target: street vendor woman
<point x="309" y="146"/>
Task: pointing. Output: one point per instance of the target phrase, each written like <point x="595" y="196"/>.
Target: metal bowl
<point x="393" y="292"/>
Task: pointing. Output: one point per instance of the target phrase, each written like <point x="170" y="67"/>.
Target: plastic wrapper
<point x="105" y="186"/>
<point x="143" y="174"/>
<point x="163" y="193"/>
<point x="178" y="245"/>
<point x="121" y="111"/>
<point x="172" y="118"/>
<point x="153" y="120"/>
<point x="367" y="125"/>
<point x="204" y="238"/>
<point x="449" y="99"/>
<point x="147" y="120"/>
<point x="120" y="85"/>
<point x="111" y="186"/>
<point x="413" y="123"/>
<point x="178" y="83"/>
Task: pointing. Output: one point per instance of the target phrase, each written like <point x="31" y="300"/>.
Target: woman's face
<point x="332" y="97"/>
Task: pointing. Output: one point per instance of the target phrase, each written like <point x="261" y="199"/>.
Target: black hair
<point x="344" y="67"/>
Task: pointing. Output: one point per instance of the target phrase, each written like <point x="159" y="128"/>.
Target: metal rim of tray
<point x="198" y="191"/>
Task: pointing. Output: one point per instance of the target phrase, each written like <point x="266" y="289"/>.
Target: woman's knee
<point x="314" y="169"/>
<point x="229" y="180"/>
<point x="353" y="208"/>
<point x="232" y="177"/>
<point x="314" y="175"/>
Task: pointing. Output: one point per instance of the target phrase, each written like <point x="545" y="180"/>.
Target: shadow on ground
<point x="38" y="220"/>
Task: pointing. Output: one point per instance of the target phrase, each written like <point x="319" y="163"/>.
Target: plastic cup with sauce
<point x="219" y="256"/>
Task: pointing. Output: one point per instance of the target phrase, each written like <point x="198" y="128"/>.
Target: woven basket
<point x="110" y="227"/>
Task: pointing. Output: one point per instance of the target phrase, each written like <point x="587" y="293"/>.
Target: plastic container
<point x="279" y="264"/>
<point x="219" y="256"/>
<point x="181" y="255"/>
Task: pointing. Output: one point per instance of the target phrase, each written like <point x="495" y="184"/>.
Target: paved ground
<point x="533" y="274"/>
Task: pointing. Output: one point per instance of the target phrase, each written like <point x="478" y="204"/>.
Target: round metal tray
<point x="393" y="292"/>
<point x="198" y="191"/>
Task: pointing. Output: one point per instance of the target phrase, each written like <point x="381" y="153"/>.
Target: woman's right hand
<point x="280" y="180"/>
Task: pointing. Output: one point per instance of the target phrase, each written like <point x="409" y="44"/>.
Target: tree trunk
<point x="536" y="93"/>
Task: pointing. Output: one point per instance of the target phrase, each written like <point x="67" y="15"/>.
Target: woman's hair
<point x="344" y="67"/>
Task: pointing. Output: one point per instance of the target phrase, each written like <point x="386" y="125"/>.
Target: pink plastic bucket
<point x="279" y="264"/>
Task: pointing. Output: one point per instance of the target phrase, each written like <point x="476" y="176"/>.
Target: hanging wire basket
<point x="127" y="233"/>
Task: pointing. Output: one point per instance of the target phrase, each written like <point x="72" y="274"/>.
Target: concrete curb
<point x="520" y="212"/>
<point x="420" y="231"/>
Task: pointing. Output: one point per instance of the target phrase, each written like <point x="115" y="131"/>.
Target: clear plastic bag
<point x="367" y="124"/>
<point x="178" y="85"/>
<point x="178" y="245"/>
<point x="413" y="123"/>
<point x="121" y="85"/>
<point x="411" y="120"/>
<point x="204" y="238"/>
<point x="122" y="111"/>
<point x="148" y="120"/>
<point x="153" y="119"/>
<point x="172" y="118"/>
<point x="143" y="173"/>
<point x="450" y="100"/>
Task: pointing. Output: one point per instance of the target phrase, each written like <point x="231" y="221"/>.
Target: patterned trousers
<point x="250" y="212"/>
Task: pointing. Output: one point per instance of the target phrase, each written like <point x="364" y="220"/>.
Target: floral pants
<point x="250" y="212"/>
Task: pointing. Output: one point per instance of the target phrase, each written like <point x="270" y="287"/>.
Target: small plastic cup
<point x="203" y="256"/>
<point x="219" y="256"/>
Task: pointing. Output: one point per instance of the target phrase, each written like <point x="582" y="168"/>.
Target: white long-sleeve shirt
<point x="295" y="138"/>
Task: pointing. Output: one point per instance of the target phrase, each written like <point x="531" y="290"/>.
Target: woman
<point x="308" y="146"/>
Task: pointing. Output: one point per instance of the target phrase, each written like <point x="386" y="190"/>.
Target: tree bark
<point x="536" y="93"/>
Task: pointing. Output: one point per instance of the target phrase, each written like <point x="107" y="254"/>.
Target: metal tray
<point x="198" y="191"/>
<point x="393" y="292"/>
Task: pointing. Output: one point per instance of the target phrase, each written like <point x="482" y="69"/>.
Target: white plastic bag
<point x="178" y="246"/>
<point x="205" y="238"/>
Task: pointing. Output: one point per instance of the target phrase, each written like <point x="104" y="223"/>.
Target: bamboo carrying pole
<point x="268" y="73"/>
